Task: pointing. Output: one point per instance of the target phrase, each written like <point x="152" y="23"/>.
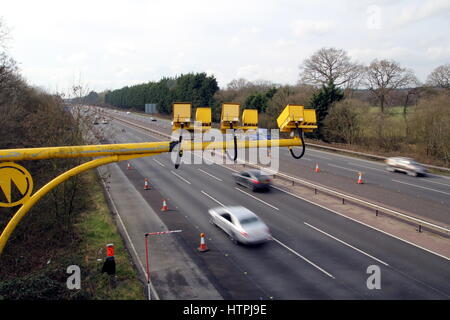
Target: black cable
<point x="300" y="133"/>
<point x="180" y="152"/>
<point x="235" y="144"/>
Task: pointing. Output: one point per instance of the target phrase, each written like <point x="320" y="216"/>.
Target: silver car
<point x="241" y="224"/>
<point x="406" y="165"/>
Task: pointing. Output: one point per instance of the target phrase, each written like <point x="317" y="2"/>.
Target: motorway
<point x="426" y="197"/>
<point x="314" y="254"/>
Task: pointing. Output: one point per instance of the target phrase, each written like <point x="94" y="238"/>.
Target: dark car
<point x="253" y="179"/>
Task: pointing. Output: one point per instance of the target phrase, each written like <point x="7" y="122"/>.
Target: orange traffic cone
<point x="129" y="167"/>
<point x="360" y="181"/>
<point x="203" y="246"/>
<point x="146" y="186"/>
<point x="317" y="168"/>
<point x="164" y="207"/>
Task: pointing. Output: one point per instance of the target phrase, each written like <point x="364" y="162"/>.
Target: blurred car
<point x="406" y="165"/>
<point x="253" y="179"/>
<point x="104" y="121"/>
<point x="128" y="112"/>
<point x="241" y="225"/>
<point x="152" y="119"/>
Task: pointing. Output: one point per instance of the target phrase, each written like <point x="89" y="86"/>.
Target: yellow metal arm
<point x="150" y="148"/>
<point x="12" y="224"/>
<point x="146" y="148"/>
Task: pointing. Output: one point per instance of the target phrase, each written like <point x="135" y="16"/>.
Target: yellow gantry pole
<point x="12" y="224"/>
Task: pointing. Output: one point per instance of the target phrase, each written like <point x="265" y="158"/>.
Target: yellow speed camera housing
<point x="296" y="115"/>
<point x="230" y="116"/>
<point x="309" y="120"/>
<point x="202" y="119"/>
<point x="249" y="119"/>
<point x="181" y="115"/>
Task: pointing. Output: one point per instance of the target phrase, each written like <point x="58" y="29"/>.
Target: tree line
<point x="196" y="88"/>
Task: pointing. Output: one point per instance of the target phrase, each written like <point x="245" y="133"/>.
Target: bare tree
<point x="238" y="84"/>
<point x="330" y="65"/>
<point x="383" y="76"/>
<point x="4" y="35"/>
<point x="440" y="77"/>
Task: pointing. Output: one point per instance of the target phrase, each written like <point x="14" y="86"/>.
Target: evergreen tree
<point x="321" y="102"/>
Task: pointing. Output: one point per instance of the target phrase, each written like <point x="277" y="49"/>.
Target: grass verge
<point x="46" y="277"/>
<point x="96" y="228"/>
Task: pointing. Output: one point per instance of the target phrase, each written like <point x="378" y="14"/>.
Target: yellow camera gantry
<point x="294" y="119"/>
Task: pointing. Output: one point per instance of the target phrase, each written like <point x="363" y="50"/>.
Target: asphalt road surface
<point x="314" y="254"/>
<point x="427" y="197"/>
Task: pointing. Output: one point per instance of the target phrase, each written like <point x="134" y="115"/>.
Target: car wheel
<point x="411" y="173"/>
<point x="390" y="169"/>
<point x="233" y="238"/>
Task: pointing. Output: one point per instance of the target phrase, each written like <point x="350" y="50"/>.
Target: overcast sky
<point x="110" y="44"/>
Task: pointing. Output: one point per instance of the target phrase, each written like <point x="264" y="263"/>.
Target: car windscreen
<point x="248" y="220"/>
<point x="260" y="175"/>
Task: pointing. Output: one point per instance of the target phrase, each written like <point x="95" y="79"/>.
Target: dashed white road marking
<point x="415" y="185"/>
<point x="444" y="184"/>
<point x="267" y="204"/>
<point x="299" y="255"/>
<point x="359" y="165"/>
<point x="209" y="174"/>
<point x="345" y="243"/>
<point x="333" y="165"/>
<point x="161" y="164"/>
<point x="215" y="200"/>
<point x="180" y="177"/>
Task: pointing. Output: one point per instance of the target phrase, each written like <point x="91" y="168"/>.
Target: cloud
<point x="439" y="52"/>
<point x="424" y="10"/>
<point x="307" y="27"/>
<point x="368" y="54"/>
<point x="274" y="73"/>
<point x="121" y="49"/>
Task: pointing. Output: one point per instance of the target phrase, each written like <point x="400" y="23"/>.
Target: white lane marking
<point x="321" y="157"/>
<point x="358" y="165"/>
<point x="345" y="243"/>
<point x="180" y="177"/>
<point x="333" y="165"/>
<point x="354" y="158"/>
<point x="415" y="185"/>
<point x="444" y="184"/>
<point x="307" y="159"/>
<point x="161" y="164"/>
<point x="209" y="174"/>
<point x="299" y="255"/>
<point x="267" y="204"/>
<point x="362" y="223"/>
<point x="217" y="201"/>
